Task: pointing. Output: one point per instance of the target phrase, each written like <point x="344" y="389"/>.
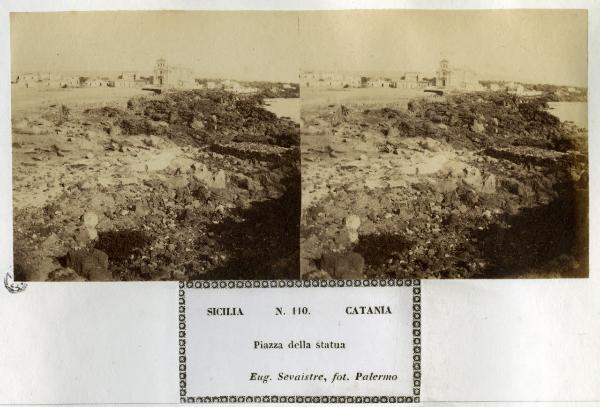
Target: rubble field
<point x="471" y="185"/>
<point x="192" y="184"/>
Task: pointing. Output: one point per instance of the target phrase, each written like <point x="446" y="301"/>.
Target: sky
<point x="535" y="46"/>
<point x="540" y="46"/>
<point x="237" y="45"/>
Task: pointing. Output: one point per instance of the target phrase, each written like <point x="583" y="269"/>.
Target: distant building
<point x="329" y="80"/>
<point x="411" y="81"/>
<point x="38" y="81"/>
<point x="379" y="83"/>
<point x="457" y="78"/>
<point x="519" y="89"/>
<point x="236" y="87"/>
<point x="127" y="80"/>
<point x="31" y="80"/>
<point x="172" y="76"/>
<point x="412" y="76"/>
<point x="98" y="83"/>
<point x="69" y="82"/>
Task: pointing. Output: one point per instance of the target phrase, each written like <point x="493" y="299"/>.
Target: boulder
<point x="430" y="144"/>
<point x="343" y="265"/>
<point x="393" y="132"/>
<point x="90" y="220"/>
<point x="352" y="222"/>
<point x="216" y="180"/>
<point x="219" y="180"/>
<point x="197" y="125"/>
<point x="91" y="264"/>
<point x="473" y="178"/>
<point x="489" y="184"/>
<point x="182" y="164"/>
<point x="477" y="127"/>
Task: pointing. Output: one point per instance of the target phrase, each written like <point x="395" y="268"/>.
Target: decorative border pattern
<point x="184" y="398"/>
<point x="296" y="283"/>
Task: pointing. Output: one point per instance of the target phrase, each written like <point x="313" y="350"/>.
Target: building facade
<point x="457" y="78"/>
<point x="171" y="76"/>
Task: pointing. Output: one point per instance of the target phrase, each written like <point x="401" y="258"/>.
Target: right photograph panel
<point x="444" y="144"/>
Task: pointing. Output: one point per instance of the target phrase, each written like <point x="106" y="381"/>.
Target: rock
<point x="343" y="265"/>
<point x="342" y="239"/>
<point x="89" y="263"/>
<point x="339" y="116"/>
<point x="154" y="141"/>
<point x="52" y="245"/>
<point x="141" y="209"/>
<point x="454" y="168"/>
<point x="363" y="157"/>
<point x="473" y="179"/>
<point x="161" y="273"/>
<point x="352" y="222"/>
<point x="393" y="132"/>
<point x="183" y="164"/>
<point x="65" y="274"/>
<point x="220" y="180"/>
<point x="57" y="150"/>
<point x="197" y="125"/>
<point x="90" y="219"/>
<point x="525" y="191"/>
<point x="85" y="185"/>
<point x="445" y="186"/>
<point x="205" y="176"/>
<point x="89" y="156"/>
<point x="83" y="236"/>
<point x="477" y="127"/>
<point x="35" y="268"/>
<point x="114" y="130"/>
<point x="178" y="182"/>
<point x="245" y="182"/>
<point x="179" y="275"/>
<point x="430" y="144"/>
<point x="49" y="242"/>
<point x="489" y="184"/>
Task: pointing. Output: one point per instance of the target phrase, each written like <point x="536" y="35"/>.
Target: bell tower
<point x="161" y="72"/>
<point x="444" y="73"/>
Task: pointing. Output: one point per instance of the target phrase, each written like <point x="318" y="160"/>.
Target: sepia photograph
<point x="155" y="145"/>
<point x="444" y="144"/>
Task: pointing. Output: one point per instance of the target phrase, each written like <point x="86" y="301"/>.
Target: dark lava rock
<point x="89" y="263"/>
<point x="343" y="265"/>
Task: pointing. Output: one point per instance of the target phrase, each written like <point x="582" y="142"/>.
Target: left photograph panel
<point x="155" y="145"/>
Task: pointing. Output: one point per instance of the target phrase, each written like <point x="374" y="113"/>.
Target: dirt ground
<point x="185" y="185"/>
<point x="29" y="99"/>
<point x="480" y="185"/>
